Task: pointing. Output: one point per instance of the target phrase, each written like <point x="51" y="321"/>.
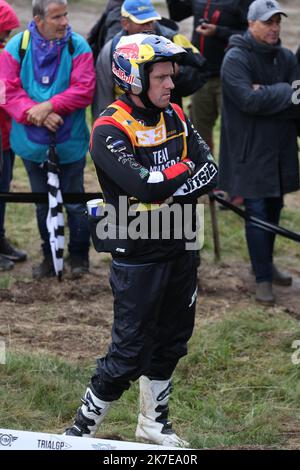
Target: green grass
<point x="44" y="393"/>
<point x="237" y="386"/>
<point x="6" y="281"/>
<point x="240" y="381"/>
<point x="36" y="388"/>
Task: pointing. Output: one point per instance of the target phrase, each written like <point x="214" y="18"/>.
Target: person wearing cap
<point x="258" y="149"/>
<point x="8" y="253"/>
<point x="146" y="153"/>
<point x="138" y="16"/>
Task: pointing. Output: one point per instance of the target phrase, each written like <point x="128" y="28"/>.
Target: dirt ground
<point x="73" y="318"/>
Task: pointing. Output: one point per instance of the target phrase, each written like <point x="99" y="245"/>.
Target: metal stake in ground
<point x="214" y="226"/>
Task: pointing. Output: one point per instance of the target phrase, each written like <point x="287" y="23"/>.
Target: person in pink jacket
<point x="48" y="88"/>
<point x="8" y="253"/>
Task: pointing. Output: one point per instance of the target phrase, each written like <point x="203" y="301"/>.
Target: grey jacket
<point x="105" y="91"/>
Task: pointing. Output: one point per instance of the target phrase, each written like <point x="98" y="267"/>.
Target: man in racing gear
<point x="146" y="151"/>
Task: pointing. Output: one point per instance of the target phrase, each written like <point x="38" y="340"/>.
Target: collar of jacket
<point x="261" y="47"/>
<point x="151" y="113"/>
<point x="247" y="41"/>
<point x="46" y="54"/>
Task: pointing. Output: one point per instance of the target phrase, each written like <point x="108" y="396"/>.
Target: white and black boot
<point x="89" y="415"/>
<point x="153" y="425"/>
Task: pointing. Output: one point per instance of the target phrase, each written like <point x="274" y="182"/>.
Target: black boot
<point x="79" y="265"/>
<point x="10" y="252"/>
<point x="5" y="264"/>
<point x="45" y="269"/>
<point x="264" y="293"/>
<point x="280" y="278"/>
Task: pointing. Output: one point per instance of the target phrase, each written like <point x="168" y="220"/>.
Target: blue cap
<point x="263" y="10"/>
<point x="139" y="11"/>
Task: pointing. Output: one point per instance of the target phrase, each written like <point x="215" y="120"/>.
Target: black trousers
<point x="154" y="312"/>
<point x="260" y="242"/>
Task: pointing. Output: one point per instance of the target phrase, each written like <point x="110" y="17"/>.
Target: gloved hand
<point x="201" y="182"/>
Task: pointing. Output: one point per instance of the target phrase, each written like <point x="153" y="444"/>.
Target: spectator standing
<point x="259" y="154"/>
<point x="8" y="253"/>
<point x="49" y="83"/>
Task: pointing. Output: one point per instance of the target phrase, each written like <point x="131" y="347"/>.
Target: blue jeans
<point x="5" y="179"/>
<point x="71" y="181"/>
<point x="260" y="242"/>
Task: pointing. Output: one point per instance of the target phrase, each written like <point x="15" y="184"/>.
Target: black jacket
<point x="138" y="154"/>
<point x="258" y="151"/>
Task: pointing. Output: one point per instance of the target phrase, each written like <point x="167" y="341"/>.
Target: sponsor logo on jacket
<point x="152" y="136"/>
<point x="202" y="178"/>
<point x="53" y="444"/>
<point x="122" y="75"/>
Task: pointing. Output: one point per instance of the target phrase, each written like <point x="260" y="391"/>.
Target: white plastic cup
<point x="95" y="207"/>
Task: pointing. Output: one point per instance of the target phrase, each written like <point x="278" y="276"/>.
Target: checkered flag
<point x="55" y="218"/>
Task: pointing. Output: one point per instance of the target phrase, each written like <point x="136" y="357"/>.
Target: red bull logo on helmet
<point x="129" y="51"/>
<point x="122" y="75"/>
